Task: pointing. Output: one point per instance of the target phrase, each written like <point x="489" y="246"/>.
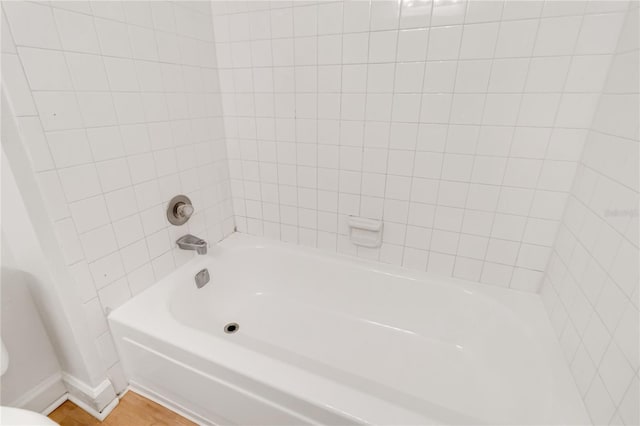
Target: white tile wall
<point x="461" y="124"/>
<point x="119" y="109"/>
<point x="591" y="285"/>
<point x="458" y="123"/>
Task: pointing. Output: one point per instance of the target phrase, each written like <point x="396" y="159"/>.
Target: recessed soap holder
<point x="179" y="210"/>
<point x="365" y="232"/>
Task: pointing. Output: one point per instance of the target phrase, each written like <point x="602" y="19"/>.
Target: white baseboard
<point x="98" y="401"/>
<point x="43" y="396"/>
<point x="124" y="392"/>
<point x="100" y="415"/>
<point x="58" y="402"/>
<point x="55" y="390"/>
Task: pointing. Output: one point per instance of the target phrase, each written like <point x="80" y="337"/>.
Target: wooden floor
<point x="133" y="410"/>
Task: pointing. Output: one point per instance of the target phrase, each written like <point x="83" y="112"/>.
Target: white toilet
<point x="10" y="416"/>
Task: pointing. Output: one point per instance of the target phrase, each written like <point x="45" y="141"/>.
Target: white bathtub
<point x="332" y="340"/>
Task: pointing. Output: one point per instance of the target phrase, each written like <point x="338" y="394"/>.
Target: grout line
<point x="442" y="162"/>
<point x="475" y="155"/>
<point x="504" y="173"/>
<point x="113" y="105"/>
<point x="389" y="122"/>
<point x="275" y="130"/>
<point x="440" y="25"/>
<point x="415" y="149"/>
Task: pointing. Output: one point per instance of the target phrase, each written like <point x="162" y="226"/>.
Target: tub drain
<point x="231" y="328"/>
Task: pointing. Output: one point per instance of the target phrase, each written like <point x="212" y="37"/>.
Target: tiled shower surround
<point x="591" y="285"/>
<point x="496" y="140"/>
<point x="119" y="110"/>
<point x="458" y="124"/>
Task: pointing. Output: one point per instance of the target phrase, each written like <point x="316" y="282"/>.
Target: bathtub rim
<point x="527" y="304"/>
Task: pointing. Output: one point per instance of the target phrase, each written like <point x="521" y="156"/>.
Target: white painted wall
<point x="457" y="123"/>
<point x="591" y="285"/>
<point x="33" y="380"/>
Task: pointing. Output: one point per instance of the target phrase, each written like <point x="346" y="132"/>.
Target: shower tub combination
<point x="288" y="335"/>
